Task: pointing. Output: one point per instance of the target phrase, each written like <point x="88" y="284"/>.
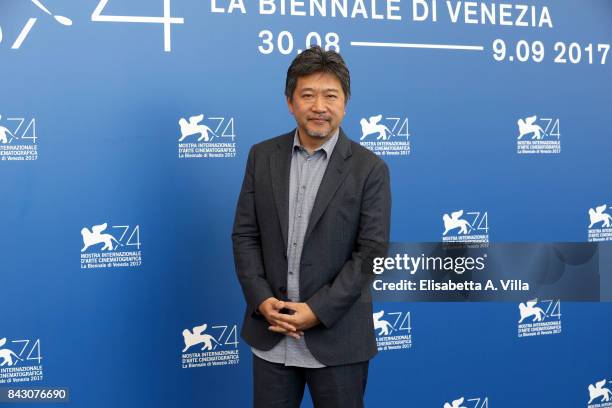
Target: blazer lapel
<point x="335" y="173"/>
<point x="280" y="167"/>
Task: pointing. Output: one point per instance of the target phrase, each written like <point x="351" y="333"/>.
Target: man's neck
<point x="313" y="143"/>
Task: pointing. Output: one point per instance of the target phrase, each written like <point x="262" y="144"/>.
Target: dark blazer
<point x="348" y="226"/>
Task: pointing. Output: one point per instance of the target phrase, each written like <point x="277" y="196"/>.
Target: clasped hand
<point x="293" y="324"/>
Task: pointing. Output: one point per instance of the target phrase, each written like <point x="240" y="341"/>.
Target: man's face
<point x="318" y="104"/>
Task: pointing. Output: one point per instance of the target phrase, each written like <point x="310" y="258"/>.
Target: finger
<point x="290" y="319"/>
<point x="292" y="305"/>
<point x="281" y="316"/>
<point x="280" y="320"/>
<point x="278" y="329"/>
<point x="284" y="325"/>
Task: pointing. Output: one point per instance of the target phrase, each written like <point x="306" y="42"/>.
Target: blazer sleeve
<point x="246" y="240"/>
<point x="333" y="300"/>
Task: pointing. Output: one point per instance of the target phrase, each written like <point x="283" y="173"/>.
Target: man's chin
<point x="317" y="133"/>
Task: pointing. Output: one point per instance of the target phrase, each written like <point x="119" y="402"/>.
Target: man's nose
<point x="319" y="104"/>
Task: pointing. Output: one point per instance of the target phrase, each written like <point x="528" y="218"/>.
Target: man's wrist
<point x="258" y="309"/>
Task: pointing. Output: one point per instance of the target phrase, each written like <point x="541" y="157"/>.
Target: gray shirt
<point x="304" y="180"/>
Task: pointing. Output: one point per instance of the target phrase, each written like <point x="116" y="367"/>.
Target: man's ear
<point x="289" y="104"/>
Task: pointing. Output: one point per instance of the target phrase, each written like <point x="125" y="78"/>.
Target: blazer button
<point x="282" y="289"/>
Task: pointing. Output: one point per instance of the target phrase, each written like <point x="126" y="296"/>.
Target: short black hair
<point x="313" y="60"/>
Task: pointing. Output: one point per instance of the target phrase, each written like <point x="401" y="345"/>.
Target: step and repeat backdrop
<point x="124" y="132"/>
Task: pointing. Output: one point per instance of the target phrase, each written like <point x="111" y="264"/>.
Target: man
<point x="312" y="213"/>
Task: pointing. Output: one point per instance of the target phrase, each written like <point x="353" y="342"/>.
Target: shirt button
<point x="290" y="272"/>
<point x="299" y="215"/>
<point x="294" y="244"/>
<point x="303" y="187"/>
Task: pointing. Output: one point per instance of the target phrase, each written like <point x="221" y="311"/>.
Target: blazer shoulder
<point x="271" y="144"/>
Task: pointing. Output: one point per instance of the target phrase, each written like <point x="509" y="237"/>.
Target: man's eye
<point x="332" y="96"/>
<point x="307" y="96"/>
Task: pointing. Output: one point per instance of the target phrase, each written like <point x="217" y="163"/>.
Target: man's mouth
<point x="318" y="121"/>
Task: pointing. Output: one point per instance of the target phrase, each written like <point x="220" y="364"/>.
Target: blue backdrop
<point x="115" y="229"/>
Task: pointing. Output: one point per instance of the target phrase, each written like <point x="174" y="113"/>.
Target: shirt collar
<point x="327" y="147"/>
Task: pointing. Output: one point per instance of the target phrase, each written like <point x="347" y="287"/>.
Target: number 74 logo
<point x="25" y="31"/>
<point x="167" y="20"/>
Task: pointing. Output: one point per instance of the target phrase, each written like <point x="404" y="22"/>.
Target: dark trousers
<point x="278" y="386"/>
